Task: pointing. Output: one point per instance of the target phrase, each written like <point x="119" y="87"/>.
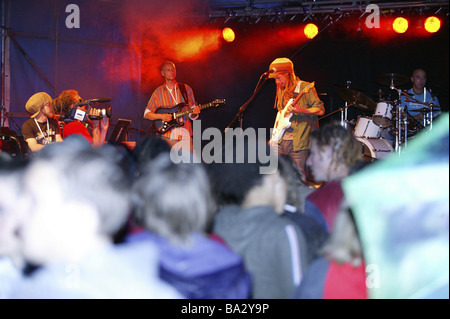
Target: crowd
<point x="84" y="218"/>
<point x="78" y="221"/>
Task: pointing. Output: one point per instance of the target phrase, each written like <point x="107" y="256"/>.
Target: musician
<point x="167" y="96"/>
<point x="295" y="141"/>
<point x="423" y="99"/>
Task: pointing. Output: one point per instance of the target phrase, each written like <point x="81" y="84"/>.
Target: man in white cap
<point x="41" y="129"/>
<point x="295" y="139"/>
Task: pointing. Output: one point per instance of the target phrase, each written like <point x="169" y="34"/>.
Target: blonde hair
<point x="286" y="93"/>
<point x="346" y="148"/>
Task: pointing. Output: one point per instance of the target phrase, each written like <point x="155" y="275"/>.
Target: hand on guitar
<point x="167" y="117"/>
<point x="196" y="109"/>
<point x="293" y="109"/>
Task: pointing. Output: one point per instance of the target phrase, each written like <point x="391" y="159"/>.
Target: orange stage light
<point x="400" y="25"/>
<point x="432" y="24"/>
<point x="311" y="30"/>
<point x="228" y="34"/>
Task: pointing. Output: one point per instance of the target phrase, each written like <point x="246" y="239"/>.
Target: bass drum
<point x="375" y="148"/>
<point x="365" y="127"/>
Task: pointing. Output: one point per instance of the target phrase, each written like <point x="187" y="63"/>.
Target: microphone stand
<point x="239" y="115"/>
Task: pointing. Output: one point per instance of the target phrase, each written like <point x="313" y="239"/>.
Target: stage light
<point x="311" y="30"/>
<point x="432" y="24"/>
<point x="228" y="34"/>
<point x="400" y="25"/>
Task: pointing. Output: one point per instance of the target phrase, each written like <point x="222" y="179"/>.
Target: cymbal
<point x="359" y="99"/>
<point x="392" y="79"/>
<point x="346" y="86"/>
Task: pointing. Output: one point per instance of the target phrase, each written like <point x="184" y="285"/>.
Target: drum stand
<point x="343" y="111"/>
<point x="398" y="124"/>
<point x="344" y="115"/>
<point x="427" y="119"/>
<point x="398" y="132"/>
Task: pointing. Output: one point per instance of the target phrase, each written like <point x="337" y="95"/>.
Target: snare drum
<point x="365" y="127"/>
<point x="383" y="114"/>
<point x="375" y="148"/>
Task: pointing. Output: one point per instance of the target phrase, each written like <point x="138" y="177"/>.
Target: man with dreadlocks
<point x="335" y="153"/>
<point x="304" y="113"/>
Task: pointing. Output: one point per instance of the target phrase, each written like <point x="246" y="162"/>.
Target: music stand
<point x="120" y="132"/>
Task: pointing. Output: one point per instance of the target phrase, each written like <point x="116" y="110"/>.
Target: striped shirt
<point x="163" y="98"/>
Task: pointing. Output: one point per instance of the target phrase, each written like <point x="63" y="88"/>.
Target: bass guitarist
<point x="172" y="97"/>
<point x="295" y="139"/>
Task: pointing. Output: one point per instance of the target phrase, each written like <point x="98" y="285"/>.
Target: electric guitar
<point x="162" y="126"/>
<point x="282" y="121"/>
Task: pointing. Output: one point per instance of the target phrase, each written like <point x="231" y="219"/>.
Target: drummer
<point x="426" y="106"/>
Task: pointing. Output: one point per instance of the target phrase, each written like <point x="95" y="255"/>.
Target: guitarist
<point x="295" y="141"/>
<point x="167" y="96"/>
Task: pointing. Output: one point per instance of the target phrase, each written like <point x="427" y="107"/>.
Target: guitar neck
<point x="201" y="106"/>
<point x="305" y="90"/>
<point x="298" y="97"/>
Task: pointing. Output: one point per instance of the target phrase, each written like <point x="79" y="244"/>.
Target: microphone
<point x="272" y="70"/>
<point x="98" y="100"/>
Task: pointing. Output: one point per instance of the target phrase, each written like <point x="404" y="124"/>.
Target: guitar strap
<point x="297" y="88"/>
<point x="182" y="87"/>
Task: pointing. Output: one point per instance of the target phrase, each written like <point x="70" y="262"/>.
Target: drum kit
<point x="387" y="116"/>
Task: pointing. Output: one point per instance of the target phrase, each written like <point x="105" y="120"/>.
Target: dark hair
<point x="232" y="180"/>
<point x="149" y="148"/>
<point x="295" y="180"/>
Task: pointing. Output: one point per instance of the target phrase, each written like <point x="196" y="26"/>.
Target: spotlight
<point x="228" y="34"/>
<point x="432" y="24"/>
<point x="400" y="25"/>
<point x="311" y="30"/>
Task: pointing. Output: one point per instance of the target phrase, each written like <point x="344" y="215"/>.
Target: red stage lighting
<point x="228" y="34"/>
<point x="400" y="25"/>
<point x="311" y="30"/>
<point x="432" y="24"/>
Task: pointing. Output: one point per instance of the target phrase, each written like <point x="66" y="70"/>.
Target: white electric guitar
<point x="282" y="122"/>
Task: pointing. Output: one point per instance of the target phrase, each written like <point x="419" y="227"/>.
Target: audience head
<point x="173" y="200"/>
<point x="5" y="159"/>
<point x="78" y="197"/>
<point x="149" y="148"/>
<point x="11" y="211"/>
<point x="241" y="178"/>
<point x="297" y="189"/>
<point x="334" y="151"/>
